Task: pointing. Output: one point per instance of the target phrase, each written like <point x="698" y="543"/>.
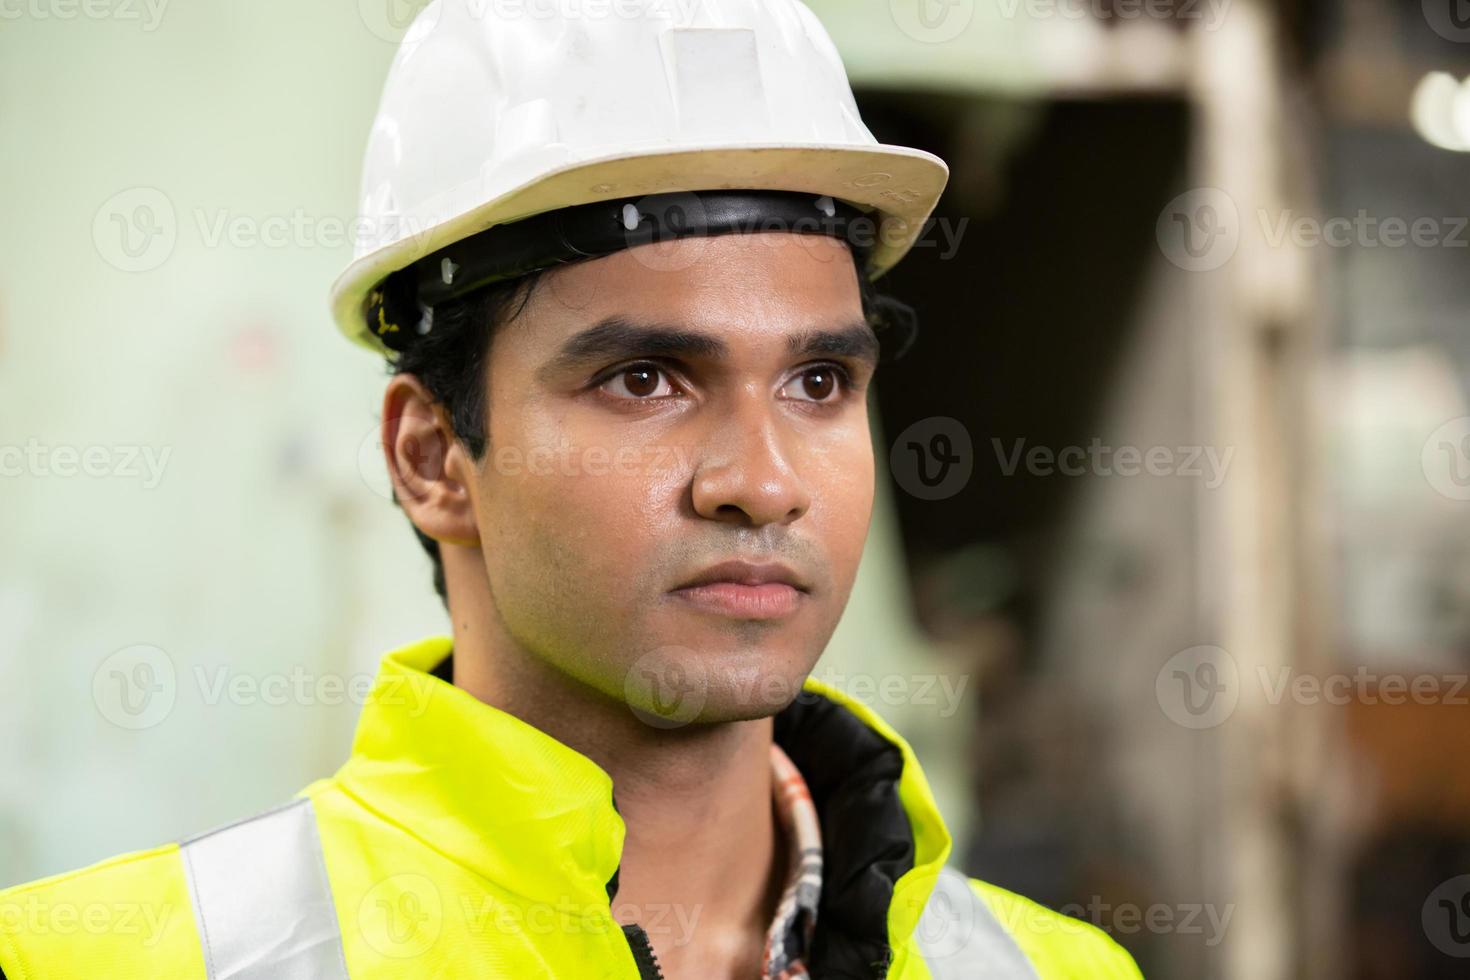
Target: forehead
<point x="745" y="286"/>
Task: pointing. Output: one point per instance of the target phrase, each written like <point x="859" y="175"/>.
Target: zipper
<point x="642" y="949"/>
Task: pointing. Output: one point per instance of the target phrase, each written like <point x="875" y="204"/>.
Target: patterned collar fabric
<point x="789" y="939"/>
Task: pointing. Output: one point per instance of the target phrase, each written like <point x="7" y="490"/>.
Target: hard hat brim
<point x="902" y="184"/>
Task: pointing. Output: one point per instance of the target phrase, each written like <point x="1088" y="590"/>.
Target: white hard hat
<point x="498" y="110"/>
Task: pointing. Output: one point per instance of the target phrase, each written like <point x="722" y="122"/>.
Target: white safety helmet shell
<point x="497" y="110"/>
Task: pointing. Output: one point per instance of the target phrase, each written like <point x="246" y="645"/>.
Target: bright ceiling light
<point x="1440" y="111"/>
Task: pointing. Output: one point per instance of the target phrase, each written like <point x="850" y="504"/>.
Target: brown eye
<point x="639" y="381"/>
<point x="815" y="384"/>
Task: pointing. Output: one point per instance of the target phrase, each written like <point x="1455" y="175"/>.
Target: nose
<point x="745" y="476"/>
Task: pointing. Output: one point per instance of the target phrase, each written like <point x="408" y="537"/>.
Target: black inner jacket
<point x="852" y="773"/>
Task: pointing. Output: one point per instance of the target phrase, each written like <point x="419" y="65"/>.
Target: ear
<point x="431" y="472"/>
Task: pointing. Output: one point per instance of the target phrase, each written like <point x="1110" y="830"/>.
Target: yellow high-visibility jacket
<point x="458" y="841"/>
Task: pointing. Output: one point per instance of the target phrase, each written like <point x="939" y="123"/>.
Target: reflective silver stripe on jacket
<point x="261" y="898"/>
<point x="960" y="938"/>
<point x="264" y="909"/>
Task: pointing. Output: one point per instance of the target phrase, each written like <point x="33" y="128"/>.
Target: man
<point x="622" y="272"/>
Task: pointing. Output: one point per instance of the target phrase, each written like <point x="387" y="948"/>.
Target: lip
<point x="745" y="590"/>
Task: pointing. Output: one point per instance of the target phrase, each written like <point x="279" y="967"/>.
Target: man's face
<point x="679" y="476"/>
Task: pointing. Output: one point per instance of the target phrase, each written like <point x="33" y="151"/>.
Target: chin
<point x="726" y="706"/>
<point x="675" y="685"/>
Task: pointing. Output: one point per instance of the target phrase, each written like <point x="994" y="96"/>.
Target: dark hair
<point x="450" y="360"/>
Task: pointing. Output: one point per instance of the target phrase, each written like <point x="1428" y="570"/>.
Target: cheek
<point x="591" y="509"/>
<point x="840" y="479"/>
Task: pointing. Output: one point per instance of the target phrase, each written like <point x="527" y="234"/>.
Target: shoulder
<point x="133" y="908"/>
<point x="163" y="912"/>
<point x="1059" y="946"/>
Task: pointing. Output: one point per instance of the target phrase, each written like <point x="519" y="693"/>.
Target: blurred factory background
<point x="1192" y="338"/>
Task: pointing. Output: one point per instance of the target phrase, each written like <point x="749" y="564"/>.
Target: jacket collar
<point x="883" y="840"/>
<point x="516" y="806"/>
<point x="482" y="787"/>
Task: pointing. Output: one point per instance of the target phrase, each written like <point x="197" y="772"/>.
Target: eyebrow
<point x="619" y="337"/>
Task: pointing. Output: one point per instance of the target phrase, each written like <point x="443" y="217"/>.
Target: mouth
<point x="745" y="590"/>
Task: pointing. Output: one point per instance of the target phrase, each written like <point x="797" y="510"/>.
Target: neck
<point x="702" y="864"/>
